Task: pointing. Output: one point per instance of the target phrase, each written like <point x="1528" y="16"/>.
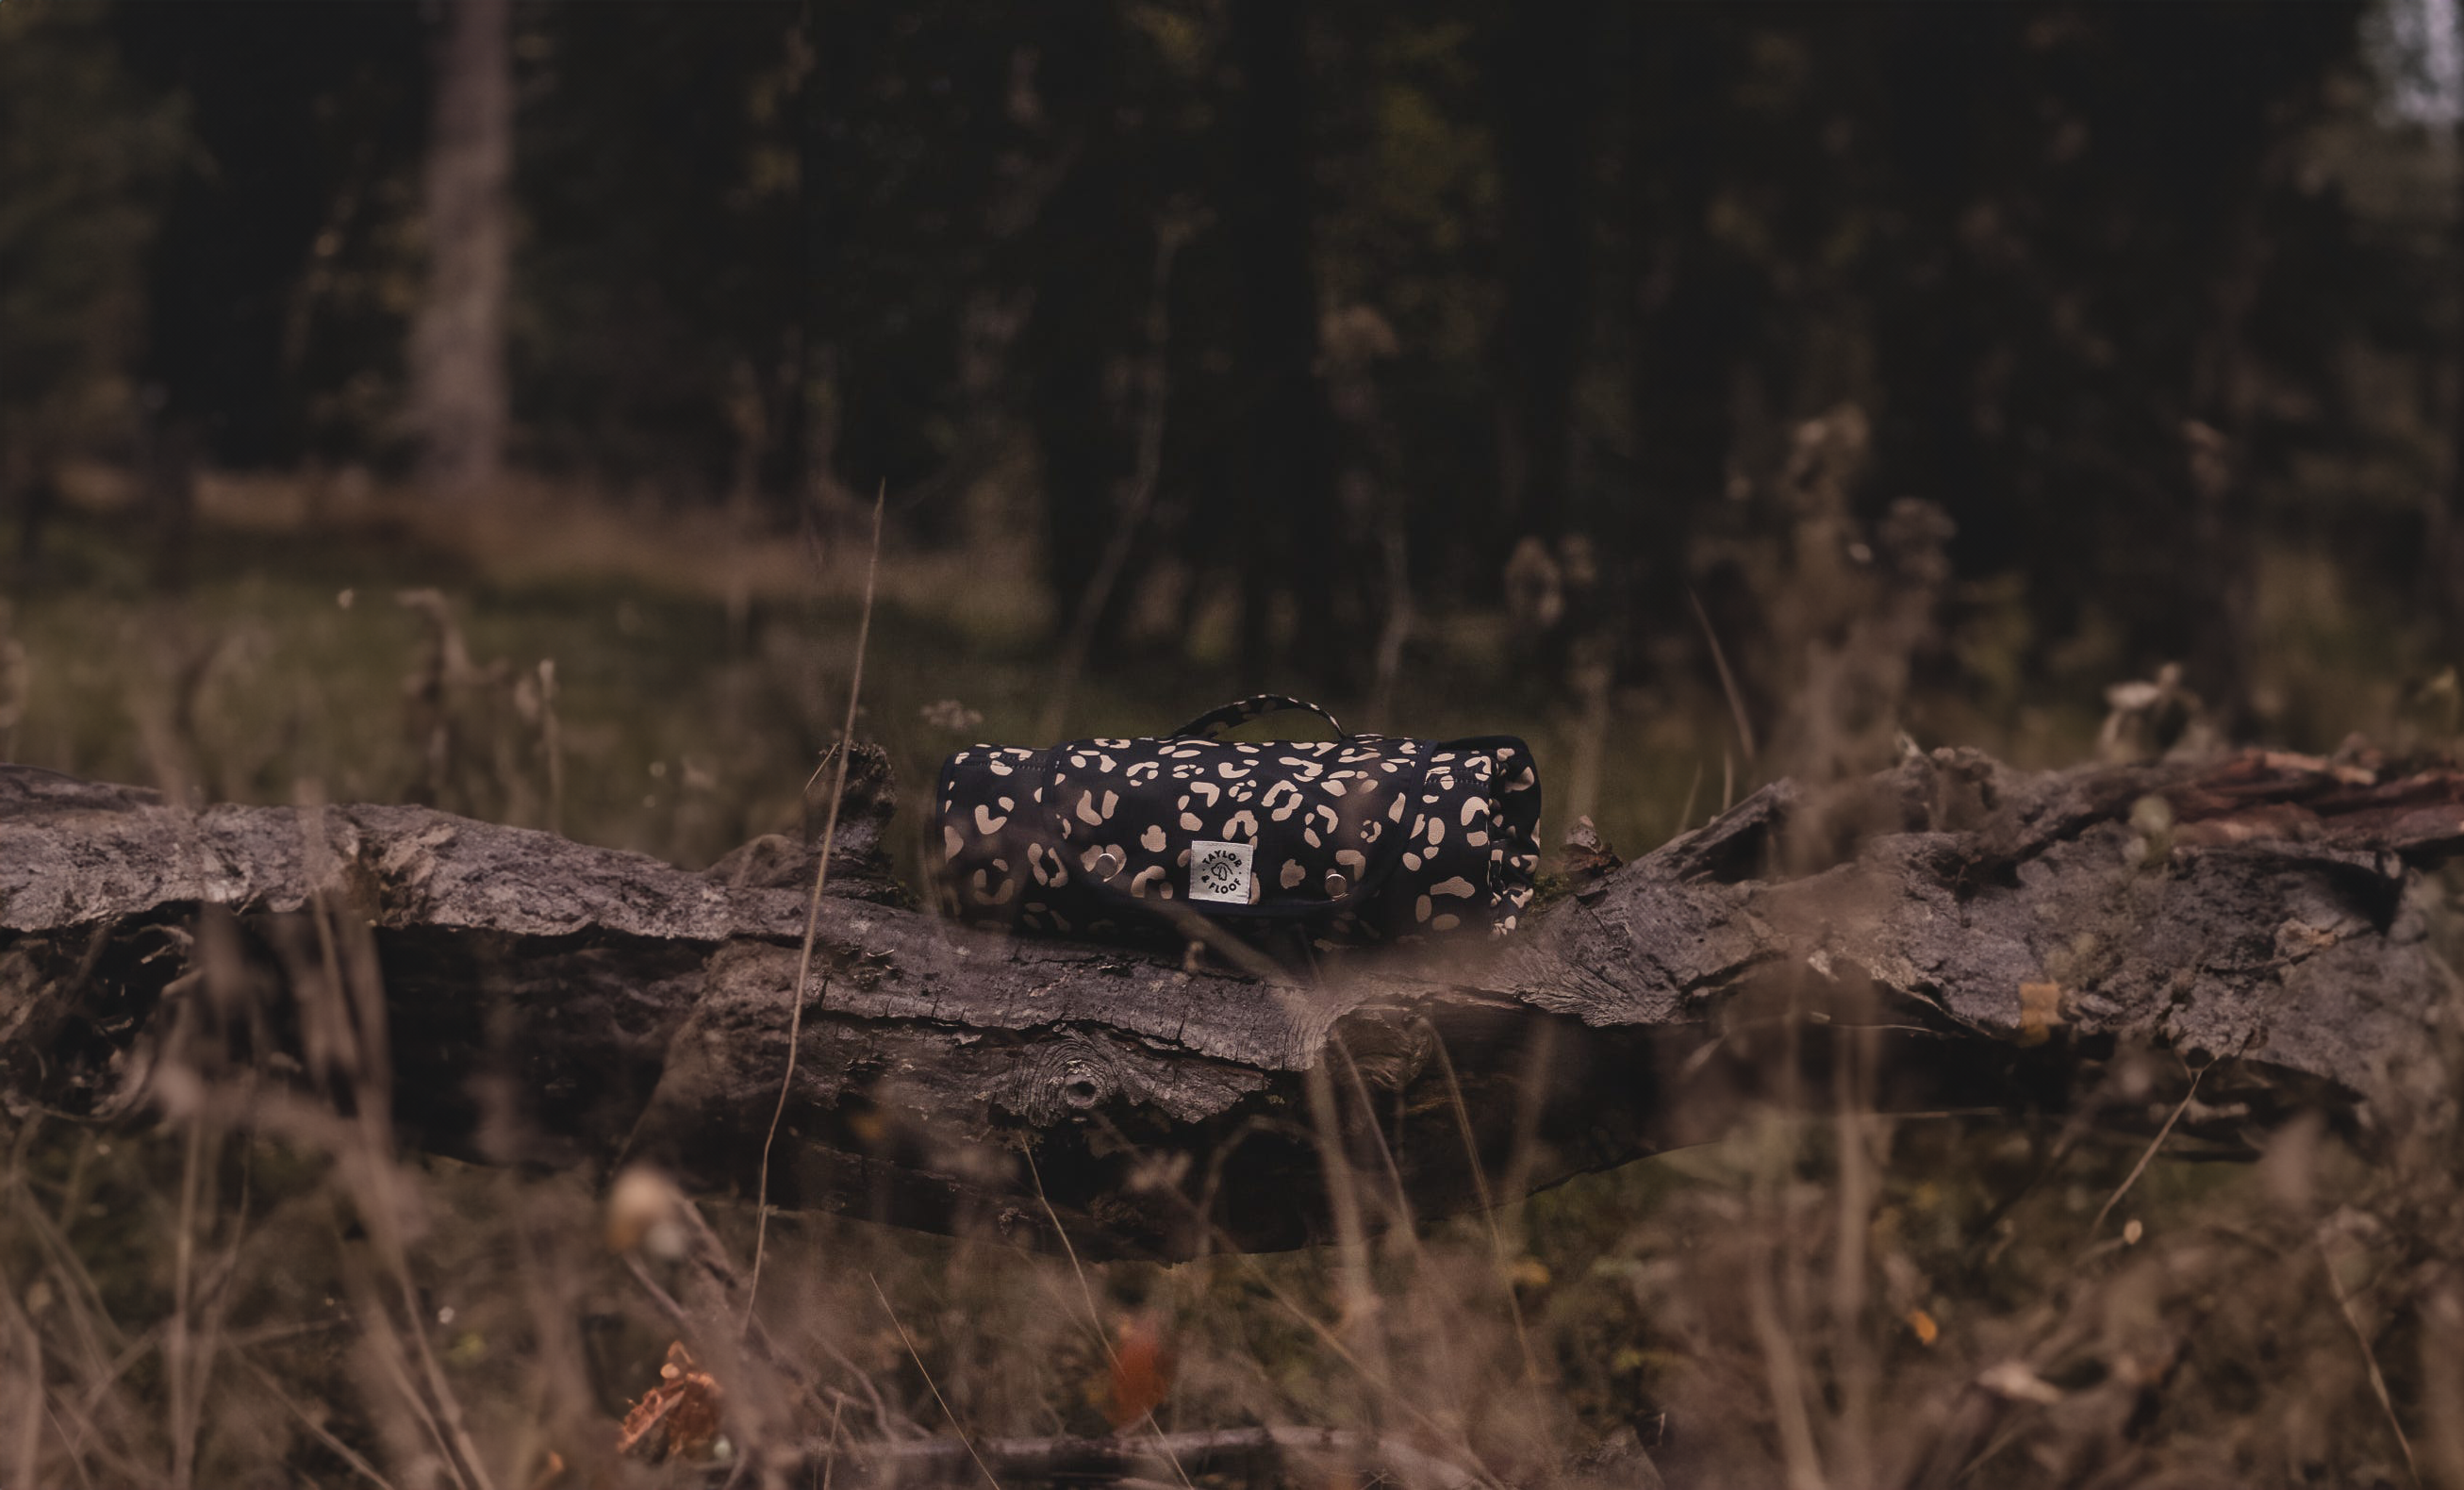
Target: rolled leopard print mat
<point x="1360" y="838"/>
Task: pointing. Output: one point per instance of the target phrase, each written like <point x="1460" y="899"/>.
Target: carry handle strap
<point x="1211" y="724"/>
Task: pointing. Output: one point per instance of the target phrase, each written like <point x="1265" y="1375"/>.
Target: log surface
<point x="1950" y="933"/>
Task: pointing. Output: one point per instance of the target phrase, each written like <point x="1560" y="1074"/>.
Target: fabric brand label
<point x="1220" y="871"/>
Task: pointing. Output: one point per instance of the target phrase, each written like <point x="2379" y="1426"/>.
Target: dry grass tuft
<point x="253" y="1284"/>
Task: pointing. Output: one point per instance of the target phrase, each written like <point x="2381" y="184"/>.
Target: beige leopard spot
<point x="1420" y="909"/>
<point x="1244" y="825"/>
<point x="952" y="841"/>
<point x="1087" y="812"/>
<point x="1447" y="923"/>
<point x="1333" y="787"/>
<point x="1191" y="822"/>
<point x="999" y="766"/>
<point x="1206" y="791"/>
<point x="1352" y="859"/>
<point x="1151" y="840"/>
<point x="1411" y="861"/>
<point x="1293" y="873"/>
<point x="1309" y="837"/>
<point x="1458" y="885"/>
<point x="1007" y="892"/>
<point x="1145" y="877"/>
<point x="1437" y="831"/>
<point x="1471" y="811"/>
<point x="1111" y="801"/>
<point x="985" y="823"/>
<point x="1394" y="814"/>
<point x="1476" y="839"/>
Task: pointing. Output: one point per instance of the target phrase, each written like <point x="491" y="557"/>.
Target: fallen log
<point x="2217" y="943"/>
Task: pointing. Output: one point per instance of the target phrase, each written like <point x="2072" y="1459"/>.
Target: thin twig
<point x="2154" y="1144"/>
<point x="1216" y="1451"/>
<point x="813" y="912"/>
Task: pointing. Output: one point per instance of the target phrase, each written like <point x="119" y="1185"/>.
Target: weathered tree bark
<point x="458" y="347"/>
<point x="1950" y="934"/>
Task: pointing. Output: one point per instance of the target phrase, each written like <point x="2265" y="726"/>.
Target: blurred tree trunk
<point x="458" y="353"/>
<point x="1083" y="241"/>
<point x="1291" y="545"/>
<point x="1687" y="308"/>
<point x="2443" y="548"/>
<point x="1945" y="67"/>
<point x="171" y="450"/>
<point x="2220" y="550"/>
<point x="1542" y="62"/>
<point x="790" y="473"/>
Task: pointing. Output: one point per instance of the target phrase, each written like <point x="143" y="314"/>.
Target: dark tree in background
<point x="1283" y="329"/>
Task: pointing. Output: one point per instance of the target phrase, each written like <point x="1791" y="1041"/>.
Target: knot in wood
<point x="1064" y="1079"/>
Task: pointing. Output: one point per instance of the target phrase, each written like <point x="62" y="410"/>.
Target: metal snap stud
<point x="1336" y="885"/>
<point x="1106" y="864"/>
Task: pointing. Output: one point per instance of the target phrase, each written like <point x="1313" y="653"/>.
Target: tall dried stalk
<point x="813" y="912"/>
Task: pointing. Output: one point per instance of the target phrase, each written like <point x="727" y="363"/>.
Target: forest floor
<point x="1913" y="1301"/>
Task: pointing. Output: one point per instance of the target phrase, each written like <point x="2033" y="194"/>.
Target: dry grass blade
<point x="1094" y="1315"/>
<point x="912" y="1354"/>
<point x="316" y="1429"/>
<point x="2370" y="1357"/>
<point x="813" y="912"/>
<point x="1499" y="1261"/>
<point x="1282" y="1300"/>
<point x="1727" y="679"/>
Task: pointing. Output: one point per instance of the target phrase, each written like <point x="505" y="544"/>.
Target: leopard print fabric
<point x="1356" y="840"/>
